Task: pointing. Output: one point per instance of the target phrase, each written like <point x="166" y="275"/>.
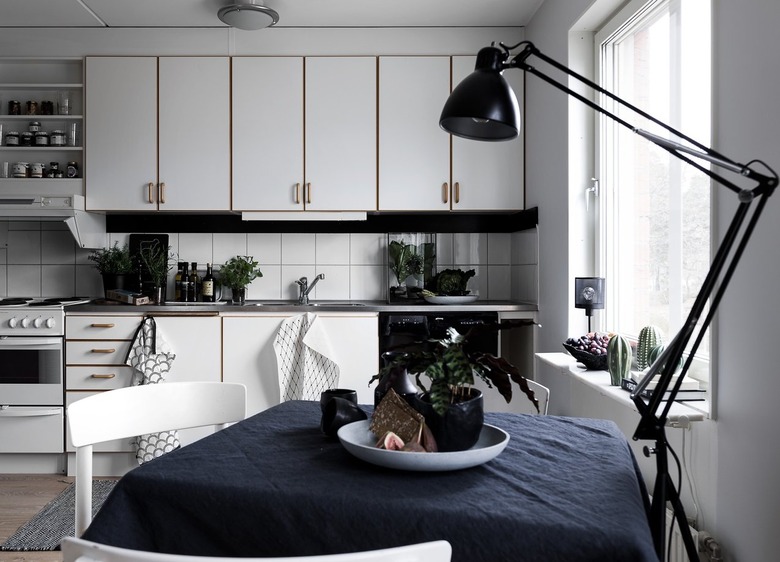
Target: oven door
<point x="31" y="371"/>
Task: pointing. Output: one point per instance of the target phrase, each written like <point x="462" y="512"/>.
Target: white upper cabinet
<point x="121" y="133"/>
<point x="268" y="133"/>
<point x="129" y="109"/>
<point x="194" y="132"/>
<point x="487" y="175"/>
<point x="340" y="144"/>
<point x="414" y="152"/>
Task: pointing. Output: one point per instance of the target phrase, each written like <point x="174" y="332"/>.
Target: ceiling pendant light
<point x="249" y="15"/>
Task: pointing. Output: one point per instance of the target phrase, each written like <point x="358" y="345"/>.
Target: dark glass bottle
<point x="396" y="378"/>
<point x="194" y="288"/>
<point x="185" y="283"/>
<point x="178" y="281"/>
<point x="207" y="286"/>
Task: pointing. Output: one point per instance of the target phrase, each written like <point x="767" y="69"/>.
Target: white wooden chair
<point x="79" y="550"/>
<point x="137" y="410"/>
<point x="542" y="394"/>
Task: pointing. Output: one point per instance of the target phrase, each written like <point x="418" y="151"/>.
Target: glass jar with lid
<point x="41" y="138"/>
<point x="12" y="138"/>
<point x="72" y="170"/>
<point x="57" y="138"/>
<point x="26" y="139"/>
<point x="34" y="126"/>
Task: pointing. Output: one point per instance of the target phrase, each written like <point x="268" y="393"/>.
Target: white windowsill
<point x="599" y="380"/>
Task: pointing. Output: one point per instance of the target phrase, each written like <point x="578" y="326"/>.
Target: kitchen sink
<point x="336" y="304"/>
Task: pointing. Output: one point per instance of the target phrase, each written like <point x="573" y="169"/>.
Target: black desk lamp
<point x="589" y="294"/>
<point x="483" y="107"/>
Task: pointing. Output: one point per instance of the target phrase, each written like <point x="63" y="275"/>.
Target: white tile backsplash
<point x="45" y="262"/>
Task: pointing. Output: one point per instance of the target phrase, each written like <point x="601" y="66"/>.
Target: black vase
<point x="459" y="428"/>
<point x="112" y="281"/>
<point x="397" y="379"/>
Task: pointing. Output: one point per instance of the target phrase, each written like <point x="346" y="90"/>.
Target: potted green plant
<point x="115" y="266"/>
<point x="237" y="273"/>
<point x="158" y="261"/>
<point x="452" y="407"/>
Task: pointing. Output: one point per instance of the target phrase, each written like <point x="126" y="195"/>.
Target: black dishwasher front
<point x="404" y="331"/>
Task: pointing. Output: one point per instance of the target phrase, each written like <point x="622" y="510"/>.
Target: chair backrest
<point x="79" y="550"/>
<point x="542" y="394"/>
<point x="138" y="410"/>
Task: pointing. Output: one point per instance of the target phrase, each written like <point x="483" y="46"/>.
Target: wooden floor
<point x="21" y="497"/>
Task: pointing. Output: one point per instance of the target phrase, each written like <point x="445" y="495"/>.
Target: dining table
<point x="563" y="489"/>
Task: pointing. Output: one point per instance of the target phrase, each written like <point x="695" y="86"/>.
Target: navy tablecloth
<point x="564" y="489"/>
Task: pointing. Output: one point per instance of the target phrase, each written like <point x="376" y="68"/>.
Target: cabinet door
<point x="414" y="152"/>
<point x="267" y="133"/>
<point x="341" y="134"/>
<point x="194" y="132"/>
<point x="121" y="133"/>
<point x="249" y="358"/>
<point x="487" y="175"/>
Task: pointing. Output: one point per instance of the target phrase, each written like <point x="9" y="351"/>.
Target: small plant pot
<point x="113" y="281"/>
<point x="459" y="428"/>
<point x="238" y="295"/>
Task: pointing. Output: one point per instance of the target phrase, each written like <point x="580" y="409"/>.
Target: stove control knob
<point x="38" y="322"/>
<point x="25" y="322"/>
<point x="13" y="322"/>
<point x="50" y="323"/>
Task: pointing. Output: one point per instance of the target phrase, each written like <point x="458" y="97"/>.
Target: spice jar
<point x="19" y="169"/>
<point x="34" y="126"/>
<point x="72" y="170"/>
<point x="47" y="108"/>
<point x="36" y="170"/>
<point x="14" y="107"/>
<point x="12" y="138"/>
<point x="32" y="107"/>
<point x="26" y="139"/>
<point x="41" y="138"/>
<point x="57" y="138"/>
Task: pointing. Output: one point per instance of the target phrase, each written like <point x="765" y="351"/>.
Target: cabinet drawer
<point x="103" y="352"/>
<point x="115" y="446"/>
<point x="97" y="377"/>
<point x="31" y="429"/>
<point x="101" y="327"/>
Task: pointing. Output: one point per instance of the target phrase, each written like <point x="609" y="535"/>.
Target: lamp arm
<point x="654" y="412"/>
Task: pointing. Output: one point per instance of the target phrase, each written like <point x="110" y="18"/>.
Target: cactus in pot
<point x="649" y="338"/>
<point x="619" y="357"/>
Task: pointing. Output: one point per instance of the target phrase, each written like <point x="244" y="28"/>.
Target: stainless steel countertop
<point x="286" y="307"/>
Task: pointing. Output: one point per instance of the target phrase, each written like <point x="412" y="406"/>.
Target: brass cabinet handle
<point x="150" y="186"/>
<point x="445" y="192"/>
<point x="102" y="325"/>
<point x="105" y="376"/>
<point x="457" y="192"/>
<point x="104" y="351"/>
<point x="298" y="193"/>
<point x="162" y="192"/>
<point x="308" y="193"/>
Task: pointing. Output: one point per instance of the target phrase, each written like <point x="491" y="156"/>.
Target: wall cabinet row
<point x="287" y="134"/>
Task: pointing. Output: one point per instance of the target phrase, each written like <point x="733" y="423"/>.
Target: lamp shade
<point x="483" y="106"/>
<point x="589" y="292"/>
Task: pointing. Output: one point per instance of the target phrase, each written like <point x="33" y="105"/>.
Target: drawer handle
<point x="104" y="351"/>
<point x="457" y="192"/>
<point x="308" y="193"/>
<point x="297" y="193"/>
<point x="162" y="192"/>
<point x="150" y="186"/>
<point x="102" y="325"/>
<point x="105" y="376"/>
<point x="445" y="190"/>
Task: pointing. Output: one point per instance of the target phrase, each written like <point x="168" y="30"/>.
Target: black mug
<point x="346" y="393"/>
<point x="339" y="412"/>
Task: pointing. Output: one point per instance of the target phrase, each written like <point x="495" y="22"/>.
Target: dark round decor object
<point x="459" y="428"/>
<point x="592" y="362"/>
<point x="339" y="412"/>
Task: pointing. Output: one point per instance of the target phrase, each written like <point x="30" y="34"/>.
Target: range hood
<point x="89" y="229"/>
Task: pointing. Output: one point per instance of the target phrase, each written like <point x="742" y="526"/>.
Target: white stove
<point x="35" y="316"/>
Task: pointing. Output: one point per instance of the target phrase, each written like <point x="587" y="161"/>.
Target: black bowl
<point x="591" y="362"/>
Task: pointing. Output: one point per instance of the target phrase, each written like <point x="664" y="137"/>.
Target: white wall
<point x="738" y="469"/>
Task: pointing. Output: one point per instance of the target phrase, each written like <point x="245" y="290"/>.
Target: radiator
<point x="677" y="548"/>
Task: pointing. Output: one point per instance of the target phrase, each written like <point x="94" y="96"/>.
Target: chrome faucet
<point x="305" y="288"/>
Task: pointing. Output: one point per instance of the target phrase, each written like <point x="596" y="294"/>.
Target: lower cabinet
<point x="95" y="351"/>
<point x="248" y="354"/>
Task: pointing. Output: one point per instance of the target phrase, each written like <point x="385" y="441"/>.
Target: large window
<point x="654" y="234"/>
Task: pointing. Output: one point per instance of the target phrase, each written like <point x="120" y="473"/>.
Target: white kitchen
<point x="184" y="126"/>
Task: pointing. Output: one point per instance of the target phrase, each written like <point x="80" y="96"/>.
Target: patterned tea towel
<point x="151" y="357"/>
<point x="306" y="362"/>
